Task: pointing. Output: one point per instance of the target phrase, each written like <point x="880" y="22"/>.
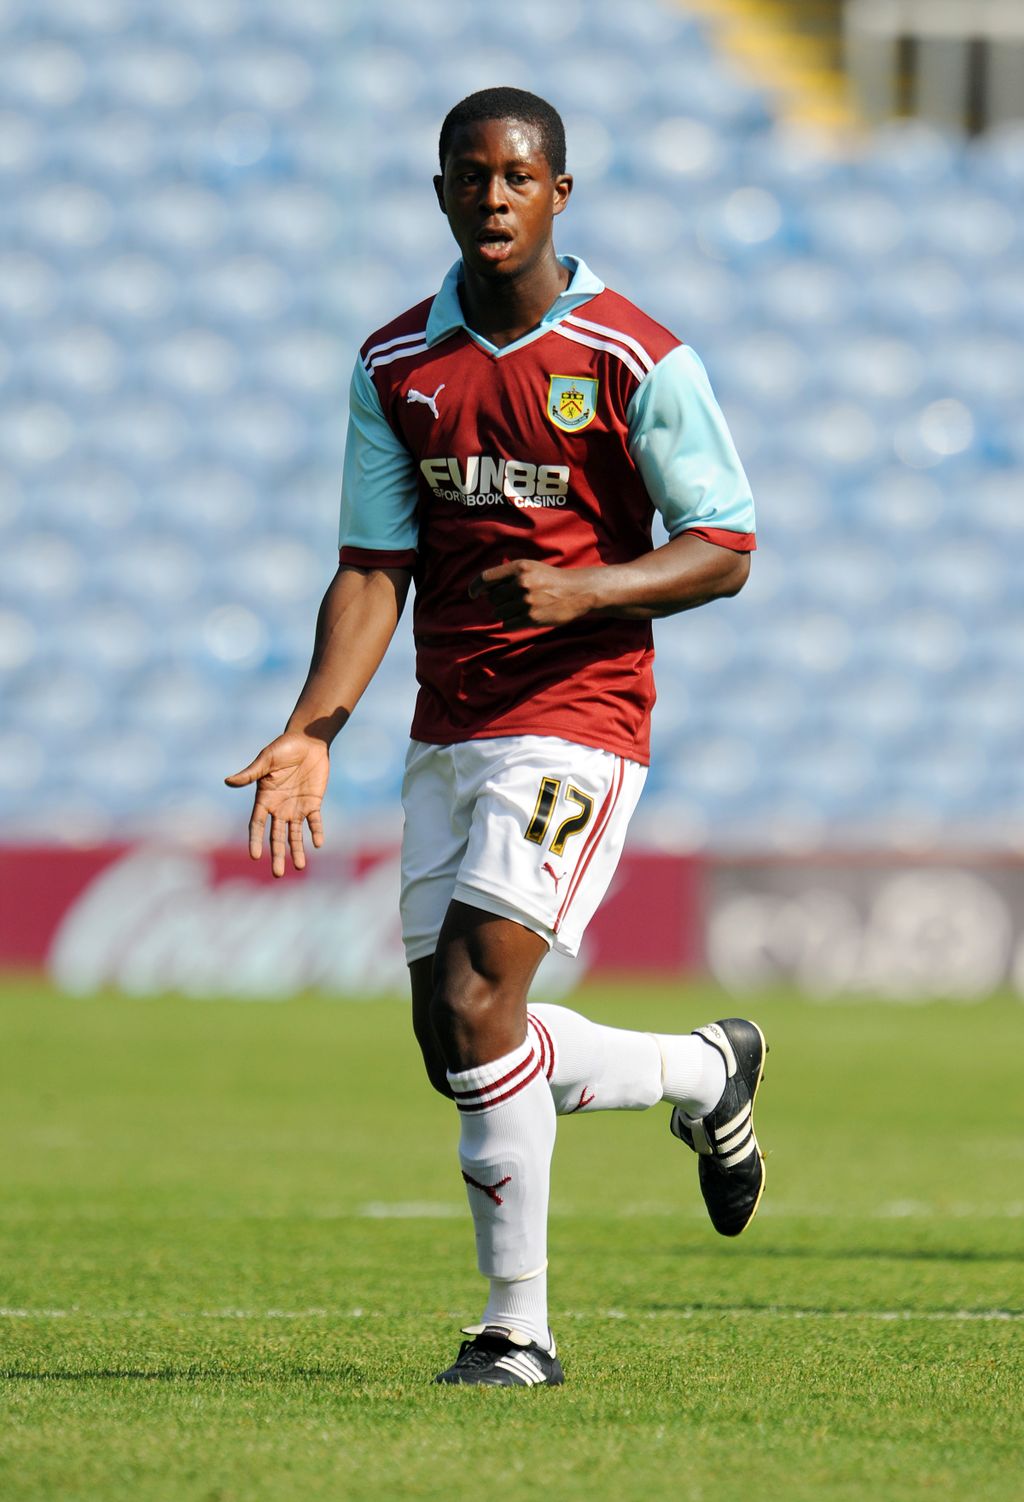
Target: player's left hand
<point x="528" y="593"/>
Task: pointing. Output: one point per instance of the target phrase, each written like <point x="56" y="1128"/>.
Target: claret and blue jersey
<point x="557" y="447"/>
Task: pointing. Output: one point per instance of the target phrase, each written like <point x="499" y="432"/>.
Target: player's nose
<point x="493" y="198"/>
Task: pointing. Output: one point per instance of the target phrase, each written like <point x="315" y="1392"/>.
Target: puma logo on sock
<point x="491" y="1190"/>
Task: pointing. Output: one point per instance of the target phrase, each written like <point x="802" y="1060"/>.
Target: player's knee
<point x="464" y="1014"/>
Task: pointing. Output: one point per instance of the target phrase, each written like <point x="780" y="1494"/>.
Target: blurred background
<point x="208" y="205"/>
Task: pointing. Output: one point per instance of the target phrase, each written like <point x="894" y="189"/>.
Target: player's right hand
<point x="291" y="778"/>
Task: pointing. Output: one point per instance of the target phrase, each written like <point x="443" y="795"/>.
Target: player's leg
<point x="558" y="815"/>
<point x="421" y="977"/>
<point x="710" y="1077"/>
<point x="437" y="821"/>
<point x="478" y="967"/>
<point x="483" y="968"/>
<point x="598" y="1068"/>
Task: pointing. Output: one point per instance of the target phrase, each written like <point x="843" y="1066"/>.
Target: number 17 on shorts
<point x="527" y="827"/>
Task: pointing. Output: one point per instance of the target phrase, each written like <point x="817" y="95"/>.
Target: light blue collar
<point x="446" y="315"/>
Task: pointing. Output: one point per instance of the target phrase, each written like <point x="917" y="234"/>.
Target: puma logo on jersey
<point x="491" y="1190"/>
<point x="428" y="401"/>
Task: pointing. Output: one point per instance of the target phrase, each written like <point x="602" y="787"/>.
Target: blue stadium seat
<point x="84" y="19"/>
<point x="43" y="75"/>
<point x="244" y="293"/>
<point x="116" y="153"/>
<point x="77" y="361"/>
<point x="26" y="149"/>
<point x="206" y="500"/>
<point x="920" y="295"/>
<point x="808" y="296"/>
<point x="147" y="75"/>
<point x="1001" y="300"/>
<point x="192" y="367"/>
<point x="265" y="80"/>
<point x="179" y="222"/>
<point x="910" y="155"/>
<point x="130" y="291"/>
<point x="679" y="151"/>
<point x="861" y="226"/>
<point x="254" y="431"/>
<point x="996" y="160"/>
<point x="973" y="229"/>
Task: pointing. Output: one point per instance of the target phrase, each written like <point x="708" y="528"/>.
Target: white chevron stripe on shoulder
<point x="397" y="354"/>
<point x="592" y="342"/>
<point x="378" y="349"/>
<point x="601" y="328"/>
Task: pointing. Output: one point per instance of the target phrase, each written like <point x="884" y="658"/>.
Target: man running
<point x="510" y="440"/>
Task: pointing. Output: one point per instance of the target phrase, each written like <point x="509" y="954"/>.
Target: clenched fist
<point x="528" y="593"/>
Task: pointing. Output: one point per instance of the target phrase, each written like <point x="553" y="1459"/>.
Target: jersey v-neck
<point x="446" y="316"/>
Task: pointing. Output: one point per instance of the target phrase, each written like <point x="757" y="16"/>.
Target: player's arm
<point x="681" y="445"/>
<point x="686" y="572"/>
<point x="356" y="622"/>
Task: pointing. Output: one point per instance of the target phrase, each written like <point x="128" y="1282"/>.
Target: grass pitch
<point x="236" y="1249"/>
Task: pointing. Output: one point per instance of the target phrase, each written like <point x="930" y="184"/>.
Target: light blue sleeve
<point x="679" y="442"/>
<point x="378" y="488"/>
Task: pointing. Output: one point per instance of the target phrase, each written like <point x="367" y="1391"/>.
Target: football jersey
<point x="558" y="447"/>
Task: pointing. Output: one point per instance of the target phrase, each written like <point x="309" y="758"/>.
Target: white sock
<point x="507" y="1137"/>
<point x="693" y="1072"/>
<point x="595" y="1068"/>
<point x="521" y="1303"/>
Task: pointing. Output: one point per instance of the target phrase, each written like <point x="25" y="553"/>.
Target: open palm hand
<point x="291" y="778"/>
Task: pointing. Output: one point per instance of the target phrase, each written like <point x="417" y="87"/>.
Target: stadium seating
<point x="210" y="203"/>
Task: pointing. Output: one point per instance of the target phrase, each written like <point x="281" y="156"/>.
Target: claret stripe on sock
<point x="497" y="1084"/>
<point x="545" y="1043"/>
<point x="495" y="1095"/>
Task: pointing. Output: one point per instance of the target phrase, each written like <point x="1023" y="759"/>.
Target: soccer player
<point x="509" y="442"/>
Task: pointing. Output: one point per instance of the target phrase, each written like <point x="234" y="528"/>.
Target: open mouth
<point x="494" y="244"/>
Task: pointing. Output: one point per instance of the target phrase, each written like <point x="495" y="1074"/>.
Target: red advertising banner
<point x="148" y="919"/>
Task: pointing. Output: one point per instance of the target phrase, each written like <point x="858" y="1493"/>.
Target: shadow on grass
<point x="866" y="1254"/>
<point x="798" y="1311"/>
<point x="187" y="1374"/>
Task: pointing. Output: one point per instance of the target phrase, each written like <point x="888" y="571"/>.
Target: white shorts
<point x="527" y="827"/>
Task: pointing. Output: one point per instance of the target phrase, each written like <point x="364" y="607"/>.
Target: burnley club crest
<point x="572" y="402"/>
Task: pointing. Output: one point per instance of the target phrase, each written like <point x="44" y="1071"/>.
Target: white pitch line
<point x="411" y="1210"/>
<point x="893" y="1210"/>
<point x="686" y="1312"/>
<point x="641" y="1210"/>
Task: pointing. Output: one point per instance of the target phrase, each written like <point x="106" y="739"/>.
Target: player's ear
<point x="562" y="189"/>
<point x="439" y="190"/>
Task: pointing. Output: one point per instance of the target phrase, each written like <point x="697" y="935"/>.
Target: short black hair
<point x="508" y="104"/>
